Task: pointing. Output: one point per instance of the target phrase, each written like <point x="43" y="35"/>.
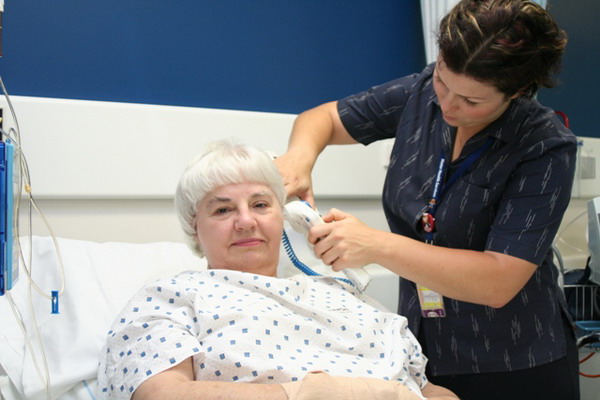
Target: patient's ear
<point x="197" y="246"/>
<point x="199" y="249"/>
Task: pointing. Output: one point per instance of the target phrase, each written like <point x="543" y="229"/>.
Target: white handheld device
<point x="302" y="217"/>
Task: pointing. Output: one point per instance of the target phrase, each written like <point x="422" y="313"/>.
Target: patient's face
<point x="239" y="227"/>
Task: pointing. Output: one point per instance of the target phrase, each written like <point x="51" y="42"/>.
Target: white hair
<point x="222" y="163"/>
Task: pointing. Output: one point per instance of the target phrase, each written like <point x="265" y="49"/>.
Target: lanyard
<point x="439" y="188"/>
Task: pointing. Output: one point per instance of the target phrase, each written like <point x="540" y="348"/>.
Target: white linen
<point x="242" y="327"/>
<point x="100" y="279"/>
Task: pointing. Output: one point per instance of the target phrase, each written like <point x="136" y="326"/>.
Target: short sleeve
<point x="155" y="332"/>
<point x="375" y="114"/>
<point x="534" y="201"/>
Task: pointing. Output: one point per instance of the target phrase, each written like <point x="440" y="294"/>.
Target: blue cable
<point x="300" y="265"/>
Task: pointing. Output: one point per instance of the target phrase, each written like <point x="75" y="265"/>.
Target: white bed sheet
<point x="100" y="278"/>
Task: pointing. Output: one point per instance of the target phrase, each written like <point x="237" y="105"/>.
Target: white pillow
<point x="100" y="279"/>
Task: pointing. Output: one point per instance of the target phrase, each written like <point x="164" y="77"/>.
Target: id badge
<point x="432" y="303"/>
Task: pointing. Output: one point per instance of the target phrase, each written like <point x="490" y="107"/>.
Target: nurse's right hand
<point x="296" y="173"/>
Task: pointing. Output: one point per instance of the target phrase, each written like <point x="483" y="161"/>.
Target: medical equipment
<point x="582" y="286"/>
<point x="302" y="217"/>
<point x="9" y="266"/>
<point x="14" y="180"/>
<point x="589" y="328"/>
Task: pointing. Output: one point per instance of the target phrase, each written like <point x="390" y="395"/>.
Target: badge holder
<point x="432" y="303"/>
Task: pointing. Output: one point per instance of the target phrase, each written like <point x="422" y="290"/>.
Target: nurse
<point x="479" y="179"/>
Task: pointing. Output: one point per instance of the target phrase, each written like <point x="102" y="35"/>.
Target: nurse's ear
<point x="526" y="92"/>
<point x="519" y="93"/>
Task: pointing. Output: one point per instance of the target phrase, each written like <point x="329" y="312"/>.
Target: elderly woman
<point x="236" y="331"/>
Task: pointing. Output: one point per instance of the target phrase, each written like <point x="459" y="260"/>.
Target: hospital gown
<point x="242" y="327"/>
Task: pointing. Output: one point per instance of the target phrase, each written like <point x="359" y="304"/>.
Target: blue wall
<point x="259" y="55"/>
<point x="577" y="95"/>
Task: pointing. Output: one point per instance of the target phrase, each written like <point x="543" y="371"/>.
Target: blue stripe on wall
<point x="259" y="55"/>
<point x="577" y="95"/>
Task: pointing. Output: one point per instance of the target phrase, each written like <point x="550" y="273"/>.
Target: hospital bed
<point x="131" y="191"/>
<point x="99" y="279"/>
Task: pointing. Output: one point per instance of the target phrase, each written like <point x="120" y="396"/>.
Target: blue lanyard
<point x="439" y="188"/>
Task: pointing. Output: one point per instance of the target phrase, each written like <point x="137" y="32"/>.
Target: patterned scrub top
<point x="242" y="327"/>
<point x="511" y="201"/>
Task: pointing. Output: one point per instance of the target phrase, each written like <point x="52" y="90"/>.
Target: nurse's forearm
<point x="479" y="277"/>
<point x="310" y="134"/>
<point x="313" y="130"/>
<point x="316" y="128"/>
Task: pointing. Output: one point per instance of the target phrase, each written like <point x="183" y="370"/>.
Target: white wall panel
<point x="92" y="149"/>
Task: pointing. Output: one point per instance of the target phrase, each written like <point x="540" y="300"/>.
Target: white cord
<point x="43" y="378"/>
<point x="24" y="183"/>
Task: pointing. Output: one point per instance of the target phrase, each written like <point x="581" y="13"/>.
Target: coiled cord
<point x="300" y="265"/>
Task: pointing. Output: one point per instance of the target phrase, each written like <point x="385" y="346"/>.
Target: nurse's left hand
<point x="344" y="241"/>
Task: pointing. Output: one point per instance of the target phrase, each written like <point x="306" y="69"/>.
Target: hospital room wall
<point x="152" y="220"/>
<point x="277" y="57"/>
<point x="315" y="53"/>
<point x="263" y="56"/>
<point x="274" y="57"/>
<point x="271" y="57"/>
<point x="578" y="86"/>
<point x="268" y="55"/>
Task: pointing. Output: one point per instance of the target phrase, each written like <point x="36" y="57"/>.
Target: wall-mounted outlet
<point x="587" y="173"/>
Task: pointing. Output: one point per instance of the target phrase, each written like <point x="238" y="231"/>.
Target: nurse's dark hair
<point x="514" y="45"/>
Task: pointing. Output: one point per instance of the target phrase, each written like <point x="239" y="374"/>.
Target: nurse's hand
<point x="344" y="241"/>
<point x="296" y="173"/>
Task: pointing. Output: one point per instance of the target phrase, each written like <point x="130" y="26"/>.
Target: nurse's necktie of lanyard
<point x="432" y="303"/>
